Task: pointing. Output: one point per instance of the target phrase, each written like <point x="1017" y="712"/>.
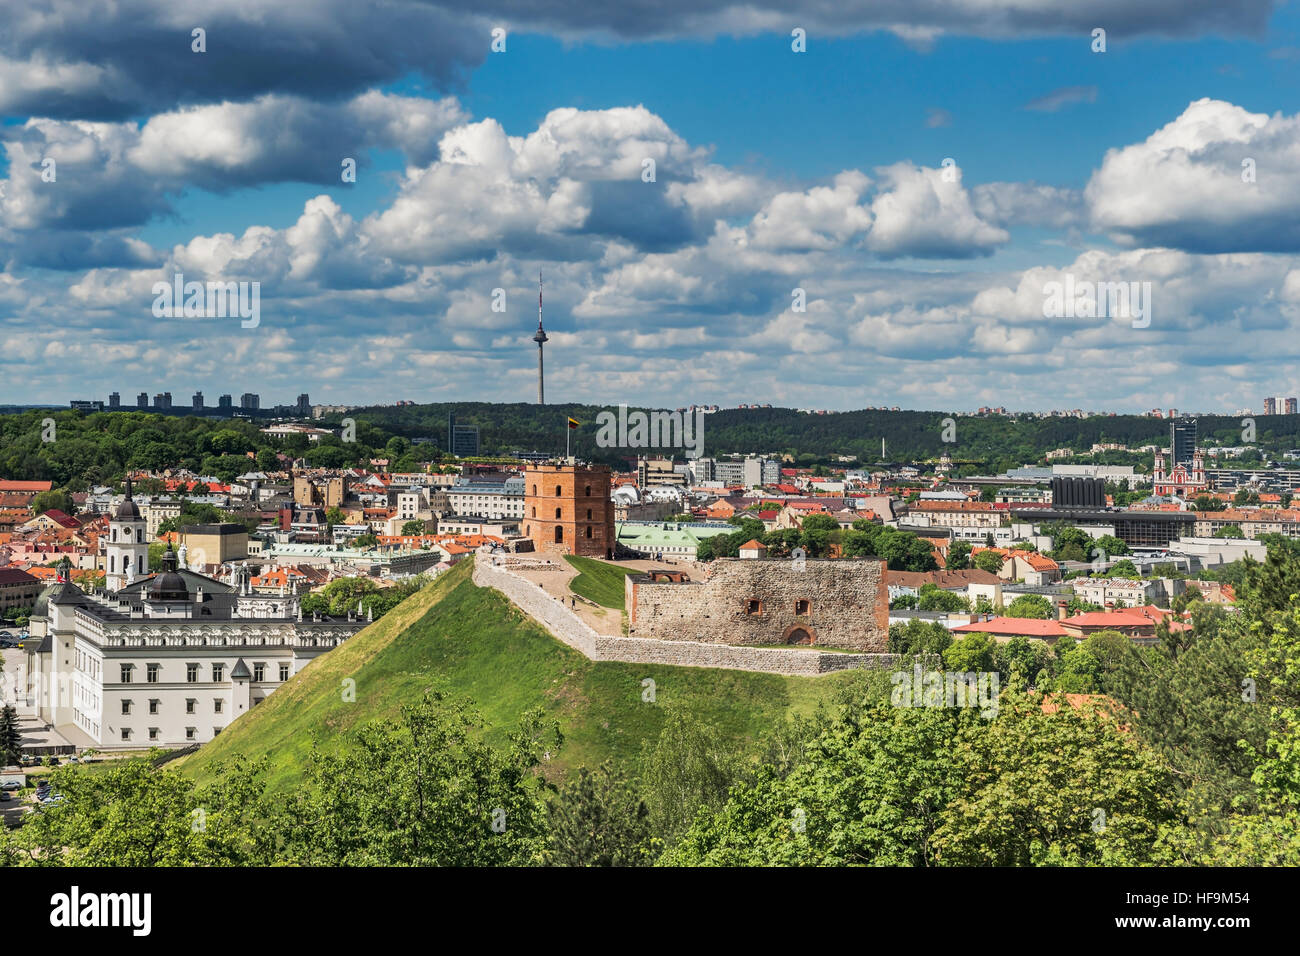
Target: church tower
<point x="127" y="549"/>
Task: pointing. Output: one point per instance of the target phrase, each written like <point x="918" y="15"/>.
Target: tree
<point x="53" y="500"/>
<point x="1030" y="605"/>
<point x="422" y="790"/>
<point x="688" y="768"/>
<point x="959" y="555"/>
<point x="134" y="814"/>
<point x="974" y="652"/>
<point x="413" y="527"/>
<point x="935" y="598"/>
<point x="1230" y="531"/>
<point x="1111" y="546"/>
<point x="599" y="819"/>
<point x="1124" y="569"/>
<point x="990" y="561"/>
<point x="11" y="744"/>
<point x="918" y="636"/>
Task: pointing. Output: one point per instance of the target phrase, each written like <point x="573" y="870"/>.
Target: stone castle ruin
<point x="841" y="604"/>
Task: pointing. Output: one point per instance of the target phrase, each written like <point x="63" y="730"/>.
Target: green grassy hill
<point x="472" y="642"/>
<point x="599" y="581"/>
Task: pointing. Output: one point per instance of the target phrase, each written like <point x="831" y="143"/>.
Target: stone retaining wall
<point x="572" y="630"/>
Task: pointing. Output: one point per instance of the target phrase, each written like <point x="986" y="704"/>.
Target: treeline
<point x="77" y="450"/>
<point x="1191" y="758"/>
<point x="820" y="536"/>
<point x="995" y="442"/>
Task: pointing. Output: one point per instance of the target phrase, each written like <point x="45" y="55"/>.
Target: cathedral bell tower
<point x="127" y="549"/>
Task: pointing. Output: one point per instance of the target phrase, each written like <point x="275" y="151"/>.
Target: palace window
<point x="218" y="673"/>
<point x="191" y="733"/>
<point x="189" y="705"/>
<point x="126" y="733"/>
<point x="284" y="672"/>
<point x="259" y="672"/>
<point x="126" y="707"/>
<point x="153" y="706"/>
<point x="192" y="673"/>
<point x="151" y="673"/>
<point x="217" y="704"/>
<point x="153" y="733"/>
<point x="126" y="673"/>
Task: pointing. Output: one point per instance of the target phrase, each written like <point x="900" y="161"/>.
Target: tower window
<point x="557" y="514"/>
<point x="753" y="606"/>
<point x="559" y="534"/>
<point x="558" y="491"/>
<point x="802" y="606"/>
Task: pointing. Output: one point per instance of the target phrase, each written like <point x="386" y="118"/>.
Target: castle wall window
<point x="802" y="606"/>
<point x="753" y="606"/>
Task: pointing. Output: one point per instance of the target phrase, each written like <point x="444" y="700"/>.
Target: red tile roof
<point x="1015" y="626"/>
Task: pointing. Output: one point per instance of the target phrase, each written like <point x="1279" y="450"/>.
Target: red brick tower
<point x="567" y="509"/>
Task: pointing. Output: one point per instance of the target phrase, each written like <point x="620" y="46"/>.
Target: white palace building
<point x="163" y="660"/>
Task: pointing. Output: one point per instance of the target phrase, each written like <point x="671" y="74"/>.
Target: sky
<point x="883" y="217"/>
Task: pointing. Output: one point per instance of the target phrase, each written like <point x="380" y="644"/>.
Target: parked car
<point x="11" y="785"/>
<point x="4" y="796"/>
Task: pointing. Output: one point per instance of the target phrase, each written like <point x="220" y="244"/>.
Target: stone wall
<point x="572" y="630"/>
<point x="841" y="604"/>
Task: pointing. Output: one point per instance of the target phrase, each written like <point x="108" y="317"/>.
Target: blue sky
<point x="776" y="170"/>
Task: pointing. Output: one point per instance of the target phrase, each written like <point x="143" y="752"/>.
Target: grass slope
<point x="472" y="642"/>
<point x="599" y="581"/>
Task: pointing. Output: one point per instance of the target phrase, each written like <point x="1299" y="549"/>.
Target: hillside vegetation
<point x="599" y="581"/>
<point x="473" y="643"/>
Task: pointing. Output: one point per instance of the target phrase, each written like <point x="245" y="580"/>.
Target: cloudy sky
<point x="923" y="172"/>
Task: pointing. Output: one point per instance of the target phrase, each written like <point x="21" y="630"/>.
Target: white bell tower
<point x="127" y="550"/>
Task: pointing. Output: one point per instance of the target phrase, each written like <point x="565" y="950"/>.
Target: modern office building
<point x="462" y="440"/>
<point x="249" y="401"/>
<point x="1182" y="445"/>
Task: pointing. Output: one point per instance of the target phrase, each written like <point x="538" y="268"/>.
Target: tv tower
<point x="539" y="338"/>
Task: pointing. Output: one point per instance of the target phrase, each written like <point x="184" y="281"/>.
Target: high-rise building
<point x="249" y="401"/>
<point x="142" y="400"/>
<point x="197" y="402"/>
<point x="1270" y="406"/>
<point x="1291" y="408"/>
<point x="162" y="400"/>
<point x="114" y="400"/>
<point x="462" y="440"/>
<point x="225" y="403"/>
<point x="1182" y="446"/>
<point x="304" y="404"/>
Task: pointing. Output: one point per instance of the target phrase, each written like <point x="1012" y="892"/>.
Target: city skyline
<point x="706" y="219"/>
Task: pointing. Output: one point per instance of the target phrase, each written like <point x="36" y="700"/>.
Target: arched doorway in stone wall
<point x="798" y="634"/>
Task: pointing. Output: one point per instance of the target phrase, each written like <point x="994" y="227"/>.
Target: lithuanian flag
<point x="574" y="423"/>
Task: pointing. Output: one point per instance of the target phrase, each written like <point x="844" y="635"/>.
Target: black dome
<point x="127" y="510"/>
<point x="168" y="585"/>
